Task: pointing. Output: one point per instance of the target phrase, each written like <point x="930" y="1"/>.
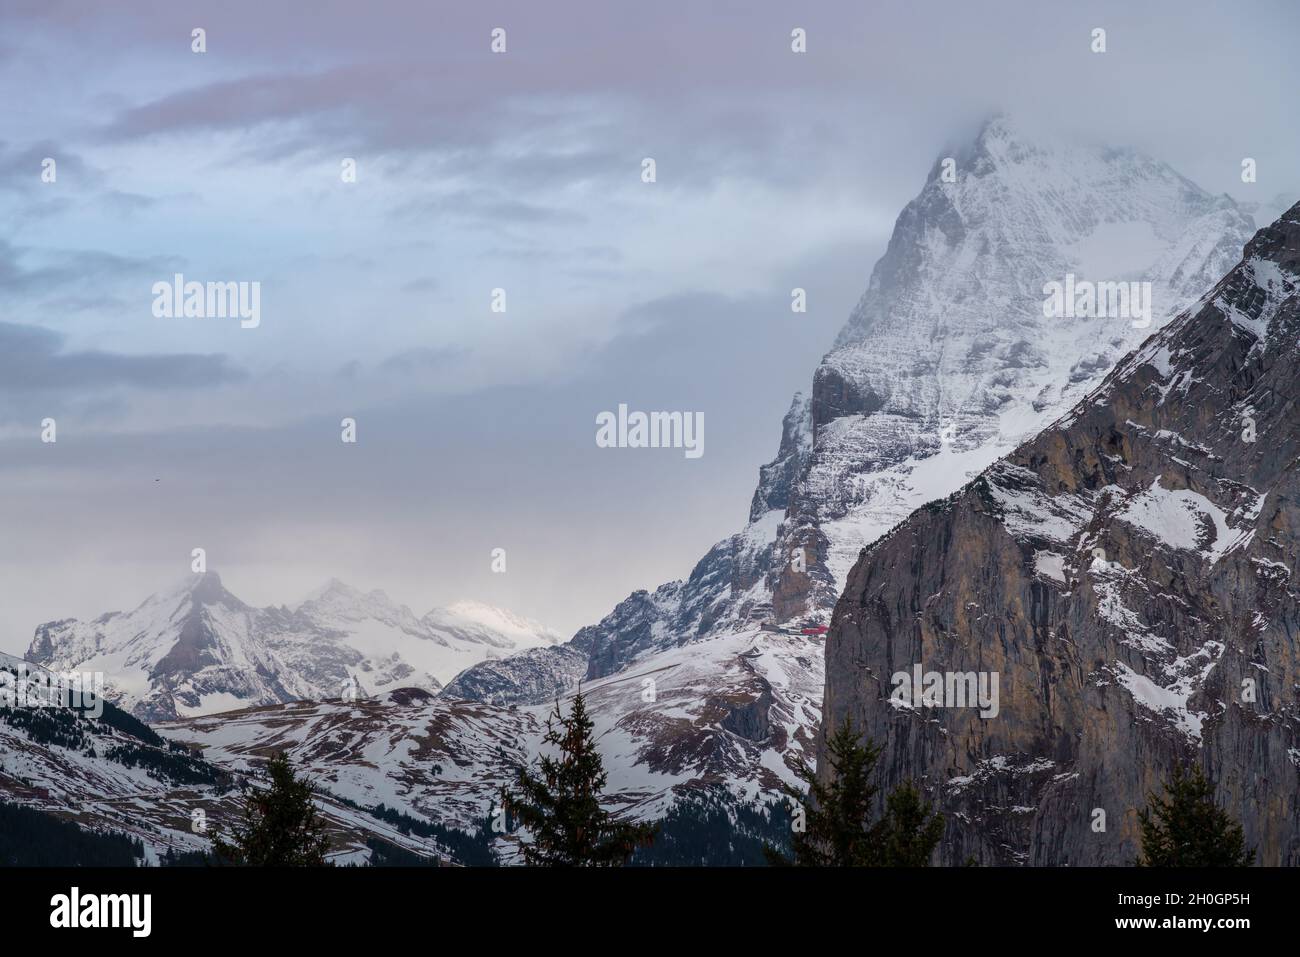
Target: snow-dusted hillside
<point x="729" y="715"/>
<point x="735" y="712"/>
<point x="197" y="649"/>
<point x="113" y="773"/>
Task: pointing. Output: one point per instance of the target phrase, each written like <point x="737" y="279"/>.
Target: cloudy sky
<point x="478" y="171"/>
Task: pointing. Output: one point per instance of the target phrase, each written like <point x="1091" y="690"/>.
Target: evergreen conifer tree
<point x="560" y="805"/>
<point x="834" y="826"/>
<point x="833" y="820"/>
<point x="1186" y="828"/>
<point x="910" y="830"/>
<point x="280" y="825"/>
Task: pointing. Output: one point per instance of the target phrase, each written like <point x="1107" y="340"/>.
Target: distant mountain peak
<point x="205" y="583"/>
<point x="335" y="589"/>
<point x="999" y="129"/>
<point x="198" y="588"/>
<point x="347" y="599"/>
<point x="195" y="648"/>
<point x="479" y="621"/>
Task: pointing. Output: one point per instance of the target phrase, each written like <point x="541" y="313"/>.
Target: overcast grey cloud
<point x="476" y="172"/>
<point x="38" y="272"/>
<point x="33" y="358"/>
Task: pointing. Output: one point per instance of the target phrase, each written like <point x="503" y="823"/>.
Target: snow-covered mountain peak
<point x="199" y="588"/>
<point x="195" y="648"/>
<point x="952" y="357"/>
<point x="332" y="586"/>
<point x="974" y="253"/>
<point x="1001" y="140"/>
<point x="958" y="351"/>
<point x="479" y="621"/>
<point x="339" y="601"/>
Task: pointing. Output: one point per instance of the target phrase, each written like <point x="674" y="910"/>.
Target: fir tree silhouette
<point x="560" y="804"/>
<point x="1186" y="828"/>
<point x="834" y="826"/>
<point x="280" y="825"/>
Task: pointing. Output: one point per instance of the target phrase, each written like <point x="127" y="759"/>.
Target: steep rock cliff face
<point x="1130" y="577"/>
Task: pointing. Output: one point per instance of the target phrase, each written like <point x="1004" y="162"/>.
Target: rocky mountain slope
<point x="732" y="714"/>
<point x="946" y="363"/>
<point x="1130" y="576"/>
<point x="198" y="649"/>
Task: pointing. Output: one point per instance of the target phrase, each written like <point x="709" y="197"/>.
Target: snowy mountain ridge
<point x="195" y="648"/>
